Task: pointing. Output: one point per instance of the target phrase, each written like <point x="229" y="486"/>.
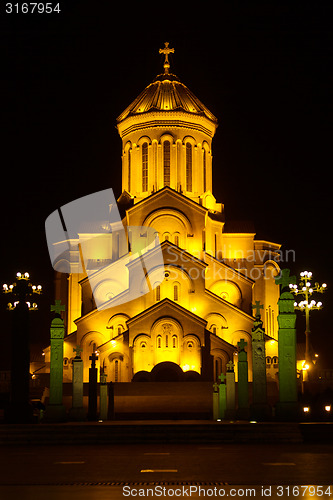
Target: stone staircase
<point x="150" y="432"/>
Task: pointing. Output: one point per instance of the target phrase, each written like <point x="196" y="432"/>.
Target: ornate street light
<point x="305" y="289"/>
<point x="21" y="292"/>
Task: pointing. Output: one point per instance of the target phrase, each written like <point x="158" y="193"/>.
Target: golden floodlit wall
<point x="212" y="274"/>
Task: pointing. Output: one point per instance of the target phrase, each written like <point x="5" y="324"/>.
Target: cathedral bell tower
<point x="166" y="137"/>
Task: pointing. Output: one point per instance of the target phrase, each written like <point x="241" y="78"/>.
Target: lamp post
<point x="305" y="289"/>
<point x="21" y="292"/>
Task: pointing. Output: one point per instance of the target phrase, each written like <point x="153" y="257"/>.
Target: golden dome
<point x="167" y="93"/>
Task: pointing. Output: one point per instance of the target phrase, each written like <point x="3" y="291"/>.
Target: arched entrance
<point x="167" y="372"/>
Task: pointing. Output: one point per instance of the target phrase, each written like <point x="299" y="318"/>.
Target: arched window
<point x="188" y="166"/>
<point x="204" y="170"/>
<point x="268" y="360"/>
<point x="145" y="166"/>
<point x="129" y="170"/>
<point x="166" y="163"/>
<point x="177" y="240"/>
<point x="116" y="370"/>
<point x="158" y="293"/>
<point x="159" y="342"/>
<point x="174" y="341"/>
<point x="175" y="293"/>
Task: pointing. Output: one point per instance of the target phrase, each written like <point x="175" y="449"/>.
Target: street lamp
<point x="22" y="290"/>
<point x="305" y="289"/>
<point x="21" y="293"/>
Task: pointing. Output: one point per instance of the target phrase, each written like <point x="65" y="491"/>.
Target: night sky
<point x="264" y="69"/>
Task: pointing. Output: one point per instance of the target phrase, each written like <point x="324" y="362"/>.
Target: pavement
<point x="112" y="460"/>
<point x="168" y="431"/>
<point x="111" y="471"/>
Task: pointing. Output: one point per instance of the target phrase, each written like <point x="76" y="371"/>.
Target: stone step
<point x="143" y="432"/>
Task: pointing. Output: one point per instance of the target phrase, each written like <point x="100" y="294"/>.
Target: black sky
<point x="264" y="69"/>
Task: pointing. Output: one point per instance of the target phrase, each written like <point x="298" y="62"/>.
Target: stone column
<point x="215" y="401"/>
<point x="286" y="408"/>
<point x="103" y="396"/>
<point x="55" y="410"/>
<point x="243" y="411"/>
<point x="259" y="408"/>
<point x="222" y="396"/>
<point x="231" y="392"/>
<point x="77" y="411"/>
<point x="111" y="410"/>
<point x="92" y="399"/>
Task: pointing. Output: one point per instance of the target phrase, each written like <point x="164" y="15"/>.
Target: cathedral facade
<point x="187" y="326"/>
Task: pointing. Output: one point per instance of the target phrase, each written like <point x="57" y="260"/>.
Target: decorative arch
<point x="206" y="146"/>
<point x="141" y="336"/>
<point x="167" y="137"/>
<point x="221" y="358"/>
<point x="142" y="353"/>
<point x="107" y="289"/>
<point x="271" y="264"/>
<point x="241" y="334"/>
<point x="90" y="342"/>
<point x="143" y="139"/>
<point x="227" y="290"/>
<point x="117" y="367"/>
<point x="216" y="320"/>
<point x="176" y="220"/>
<point x="190" y="139"/>
<point x="115" y="321"/>
<point x="127" y="146"/>
<point x="191" y="358"/>
<point x="166" y="332"/>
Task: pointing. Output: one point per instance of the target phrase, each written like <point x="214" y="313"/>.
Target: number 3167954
<point x="32" y="8"/>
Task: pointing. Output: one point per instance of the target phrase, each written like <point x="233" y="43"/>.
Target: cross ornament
<point x="93" y="359"/>
<point x="166" y="51"/>
<point x="222" y="377"/>
<point x="284" y="279"/>
<point x="230" y="366"/>
<point x="78" y="351"/>
<point x="242" y="344"/>
<point x="58" y="308"/>
<point x="257" y="306"/>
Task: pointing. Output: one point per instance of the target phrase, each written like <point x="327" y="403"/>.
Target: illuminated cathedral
<point x="186" y="328"/>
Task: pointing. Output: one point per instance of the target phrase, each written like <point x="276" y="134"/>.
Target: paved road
<point x="234" y="465"/>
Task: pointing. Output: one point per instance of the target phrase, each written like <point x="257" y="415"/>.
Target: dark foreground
<point x="102" y="472"/>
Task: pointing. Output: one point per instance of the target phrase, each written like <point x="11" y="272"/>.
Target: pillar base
<point x="55" y="413"/>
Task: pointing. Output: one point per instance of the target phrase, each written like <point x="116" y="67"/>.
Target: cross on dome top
<point x="166" y="51"/>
